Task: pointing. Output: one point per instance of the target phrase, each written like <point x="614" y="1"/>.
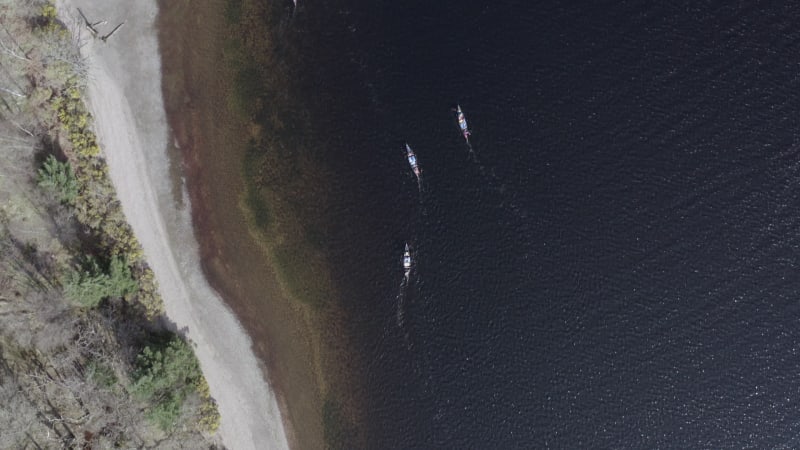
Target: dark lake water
<point x="615" y="266"/>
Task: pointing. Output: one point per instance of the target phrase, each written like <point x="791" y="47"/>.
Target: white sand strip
<point x="126" y="101"/>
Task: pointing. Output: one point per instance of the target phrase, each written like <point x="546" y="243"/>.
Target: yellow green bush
<point x="209" y="413"/>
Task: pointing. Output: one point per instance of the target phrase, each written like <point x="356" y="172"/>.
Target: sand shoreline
<point x="126" y="100"/>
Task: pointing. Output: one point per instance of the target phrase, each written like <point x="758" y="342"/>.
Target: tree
<point x="58" y="177"/>
<point x="91" y="284"/>
<point x="167" y="373"/>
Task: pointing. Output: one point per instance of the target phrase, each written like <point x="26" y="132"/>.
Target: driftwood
<point x="104" y="38"/>
<point x="92" y="27"/>
<point x="89" y="25"/>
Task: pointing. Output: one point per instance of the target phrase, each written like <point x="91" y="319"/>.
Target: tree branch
<point x="17" y="94"/>
<point x="12" y="52"/>
<point x="104" y="38"/>
<point x="88" y="24"/>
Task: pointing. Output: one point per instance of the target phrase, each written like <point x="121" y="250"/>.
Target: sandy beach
<point x="126" y="101"/>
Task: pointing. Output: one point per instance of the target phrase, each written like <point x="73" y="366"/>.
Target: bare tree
<point x="17" y="416"/>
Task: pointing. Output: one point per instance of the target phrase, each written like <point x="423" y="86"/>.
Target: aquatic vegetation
<point x="233" y="11"/>
<point x="340" y="432"/>
<point x="285" y="179"/>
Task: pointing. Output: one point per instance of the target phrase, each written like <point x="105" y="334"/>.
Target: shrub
<point x="91" y="284"/>
<point x="166" y="412"/>
<point x="209" y="412"/>
<point x="120" y="280"/>
<point x="59" y="178"/>
<point x="339" y="431"/>
<point x="166" y="373"/>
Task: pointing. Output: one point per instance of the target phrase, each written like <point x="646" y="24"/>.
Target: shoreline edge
<point x="124" y="93"/>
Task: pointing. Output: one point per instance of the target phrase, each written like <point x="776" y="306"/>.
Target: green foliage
<point x="58" y="177"/>
<point x="166" y="373"/>
<point x="91" y="284"/>
<point x="85" y="288"/>
<point x="120" y="280"/>
<point x="165" y="367"/>
<point x="165" y="413"/>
